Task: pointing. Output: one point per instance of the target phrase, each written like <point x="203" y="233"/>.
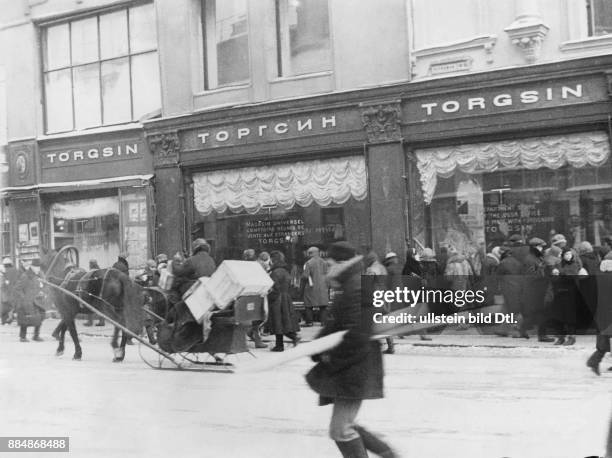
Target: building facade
<point x="282" y="124"/>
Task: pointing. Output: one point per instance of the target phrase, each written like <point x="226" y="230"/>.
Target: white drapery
<point x="251" y="188"/>
<point x="577" y="150"/>
<point x="86" y="208"/>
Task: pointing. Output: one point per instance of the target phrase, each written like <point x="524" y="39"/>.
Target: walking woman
<point x="282" y="319"/>
<point x="566" y="295"/>
<point x="352" y="371"/>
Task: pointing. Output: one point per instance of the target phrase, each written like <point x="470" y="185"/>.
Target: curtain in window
<point x="578" y="150"/>
<point x="251" y="188"/>
<point x="86" y="208"/>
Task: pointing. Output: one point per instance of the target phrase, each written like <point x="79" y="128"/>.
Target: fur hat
<point x="341" y="251"/>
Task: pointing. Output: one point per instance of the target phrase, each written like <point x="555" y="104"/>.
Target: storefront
<point x="93" y="192"/>
<point x="521" y="154"/>
<point x="283" y="178"/>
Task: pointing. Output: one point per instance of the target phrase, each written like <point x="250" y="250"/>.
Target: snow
<point x="474" y="396"/>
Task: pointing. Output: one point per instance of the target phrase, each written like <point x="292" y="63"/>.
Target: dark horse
<point x="118" y="297"/>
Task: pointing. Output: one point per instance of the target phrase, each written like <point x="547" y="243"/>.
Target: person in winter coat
<point x="433" y="279"/>
<point x="282" y="319"/>
<point x="316" y="292"/>
<point x="565" y="297"/>
<point x="200" y="264"/>
<point x="352" y="371"/>
<point x="30" y="296"/>
<point x="122" y="264"/>
<point x="412" y="265"/>
<point x="511" y="283"/>
<point x="374" y="267"/>
<point x="458" y="271"/>
<point x="603" y="314"/>
<point x="588" y="284"/>
<point x="10" y="276"/>
<point x="394" y="280"/>
<point x="534" y="291"/>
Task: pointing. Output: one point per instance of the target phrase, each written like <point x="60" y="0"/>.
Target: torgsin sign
<point x="91" y="154"/>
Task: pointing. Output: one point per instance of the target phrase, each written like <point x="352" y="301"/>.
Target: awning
<point x="86" y="208"/>
<point x="128" y="180"/>
<point x="553" y="152"/>
<point x="326" y="182"/>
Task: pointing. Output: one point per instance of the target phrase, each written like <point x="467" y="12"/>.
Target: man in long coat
<point x="30" y="296"/>
<point x="352" y="371"/>
<point x="316" y="293"/>
<point x="10" y="277"/>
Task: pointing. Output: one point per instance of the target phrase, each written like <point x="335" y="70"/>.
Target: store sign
<point x="275" y="232"/>
<point x="91" y="154"/>
<point x="496" y="100"/>
<point x="268" y="130"/>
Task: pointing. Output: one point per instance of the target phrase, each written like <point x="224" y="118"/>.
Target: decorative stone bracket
<point x="528" y="33"/>
<point x="382" y="121"/>
<point x="165" y="147"/>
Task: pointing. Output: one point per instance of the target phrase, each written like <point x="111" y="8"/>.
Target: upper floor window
<point x="101" y="70"/>
<point x="303" y="38"/>
<point x="599" y="17"/>
<point x="226" y="42"/>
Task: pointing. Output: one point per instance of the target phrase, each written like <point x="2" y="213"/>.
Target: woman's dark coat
<point x="535" y="282"/>
<point x="603" y="316"/>
<point x="353" y="369"/>
<point x="282" y="318"/>
<point x="511" y="282"/>
<point x="30" y="295"/>
<point x="565" y="293"/>
<point x="588" y="285"/>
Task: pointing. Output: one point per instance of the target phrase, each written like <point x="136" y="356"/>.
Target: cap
<point x="516" y="238"/>
<point x="537" y="242"/>
<point x="162" y="257"/>
<point x="390" y="254"/>
<point x="341" y="251"/>
<point x="559" y="238"/>
<point x="199" y="244"/>
<point x="7" y="261"/>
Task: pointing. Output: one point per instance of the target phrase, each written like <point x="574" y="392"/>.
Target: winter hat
<point x="554" y="251"/>
<point x="390" y="255"/>
<point x="341" y="251"/>
<point x="516" y="239"/>
<point x="537" y="242"/>
<point x="428" y="255"/>
<point x="584" y="247"/>
<point x="558" y="239"/>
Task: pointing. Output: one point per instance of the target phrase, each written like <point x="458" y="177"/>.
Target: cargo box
<point x="237" y="278"/>
<point x="198" y="300"/>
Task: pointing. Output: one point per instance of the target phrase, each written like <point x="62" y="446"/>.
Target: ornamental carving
<point x="382" y="122"/>
<point x="165" y="148"/>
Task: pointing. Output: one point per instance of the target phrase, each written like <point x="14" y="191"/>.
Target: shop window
<point x="599" y="17"/>
<point x="101" y="70"/>
<point x="534" y="188"/>
<point x="226" y="42"/>
<point x="303" y="38"/>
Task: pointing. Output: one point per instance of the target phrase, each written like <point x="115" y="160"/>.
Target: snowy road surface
<point x="445" y="401"/>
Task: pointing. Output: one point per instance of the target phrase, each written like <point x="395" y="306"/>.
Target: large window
<point x="101" y="70"/>
<point x="599" y="17"/>
<point x="226" y="42"/>
<point x="302" y="30"/>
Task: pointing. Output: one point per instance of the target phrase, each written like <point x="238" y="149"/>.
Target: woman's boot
<point x="374" y="444"/>
<point x="594" y="360"/>
<point x="280" y="346"/>
<point x="353" y="448"/>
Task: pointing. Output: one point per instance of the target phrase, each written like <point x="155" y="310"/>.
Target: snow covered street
<point x="457" y="396"/>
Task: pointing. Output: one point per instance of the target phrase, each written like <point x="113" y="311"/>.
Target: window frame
<point x="207" y="56"/>
<point x="42" y="28"/>
<point x="590" y="20"/>
<point x="283" y="44"/>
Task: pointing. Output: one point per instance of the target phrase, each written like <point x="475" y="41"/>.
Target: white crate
<point x="238" y="278"/>
<point x="166" y="279"/>
<point x="198" y="300"/>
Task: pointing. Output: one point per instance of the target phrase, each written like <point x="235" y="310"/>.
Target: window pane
<point x="602" y="17"/>
<point x="84" y="41"/>
<point x="57" y="47"/>
<point x="113" y="35"/>
<point x="308" y="30"/>
<point x="143" y="36"/>
<point x="58" y="99"/>
<point x="145" y="84"/>
<point x="232" y="41"/>
<point x="86" y="96"/>
<point x="116" y="91"/>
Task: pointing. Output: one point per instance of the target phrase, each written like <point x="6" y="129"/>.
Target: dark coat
<point x="30" y="297"/>
<point x="317" y="294"/>
<point x="353" y="369"/>
<point x="588" y="285"/>
<point x="199" y="265"/>
<point x="9" y="281"/>
<point x="282" y="318"/>
<point x="122" y="266"/>
<point x="565" y="293"/>
<point x="535" y="282"/>
<point x="511" y="282"/>
<point x="603" y="316"/>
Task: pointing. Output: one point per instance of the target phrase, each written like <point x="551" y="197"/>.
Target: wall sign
<point x="505" y="99"/>
<point x="92" y="154"/>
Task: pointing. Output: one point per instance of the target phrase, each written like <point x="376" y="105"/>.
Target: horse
<point x="117" y="296"/>
<point x="61" y="271"/>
